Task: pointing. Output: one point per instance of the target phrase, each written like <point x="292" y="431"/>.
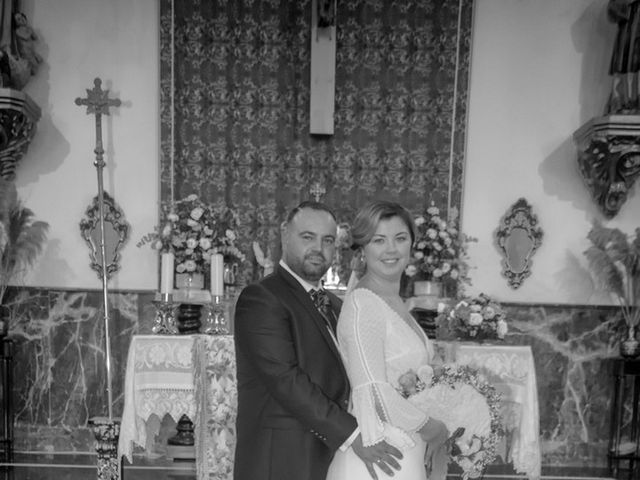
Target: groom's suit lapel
<point x="304" y="299"/>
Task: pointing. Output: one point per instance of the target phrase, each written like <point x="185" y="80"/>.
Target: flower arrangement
<point x="614" y="260"/>
<point x="194" y="231"/>
<point x="439" y="250"/>
<point x="476" y="318"/>
<point x="466" y="403"/>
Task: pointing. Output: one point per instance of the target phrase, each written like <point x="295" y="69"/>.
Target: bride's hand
<point x="382" y="454"/>
<point x="434" y="432"/>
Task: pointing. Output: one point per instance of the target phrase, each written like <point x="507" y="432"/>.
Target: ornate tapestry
<point x="240" y="111"/>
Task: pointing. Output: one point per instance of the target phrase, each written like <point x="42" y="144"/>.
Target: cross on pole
<point x="317" y="190"/>
<point x="98" y="103"/>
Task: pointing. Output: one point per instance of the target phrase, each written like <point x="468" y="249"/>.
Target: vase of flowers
<point x="195" y="231"/>
<point x="614" y="261"/>
<point x="439" y="254"/>
<point x="21" y="241"/>
<point x="473" y="318"/>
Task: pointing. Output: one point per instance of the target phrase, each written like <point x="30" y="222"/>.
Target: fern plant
<point x="21" y="237"/>
<point x="614" y="259"/>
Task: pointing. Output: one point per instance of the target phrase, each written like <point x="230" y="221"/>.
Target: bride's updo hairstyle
<point x="368" y="217"/>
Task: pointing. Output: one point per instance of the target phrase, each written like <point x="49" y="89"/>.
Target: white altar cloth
<point x="192" y="375"/>
<point x="512" y="371"/>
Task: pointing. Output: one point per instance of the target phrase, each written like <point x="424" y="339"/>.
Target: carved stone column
<point x="609" y="158"/>
<point x="18" y="118"/>
<point x="106" y="432"/>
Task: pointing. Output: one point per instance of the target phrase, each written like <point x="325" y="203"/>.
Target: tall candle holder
<point x="216" y="322"/>
<point x="165" y="320"/>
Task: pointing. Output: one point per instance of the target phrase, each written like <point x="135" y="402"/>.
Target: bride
<point x="380" y="341"/>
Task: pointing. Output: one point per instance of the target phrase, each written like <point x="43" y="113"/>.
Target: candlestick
<point x="217" y="268"/>
<point x="216" y="322"/>
<point x="166" y="273"/>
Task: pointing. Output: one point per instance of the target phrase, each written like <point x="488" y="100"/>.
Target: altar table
<point x="195" y="375"/>
<point x="182" y="374"/>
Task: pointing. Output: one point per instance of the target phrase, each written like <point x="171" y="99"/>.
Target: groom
<point x="293" y="390"/>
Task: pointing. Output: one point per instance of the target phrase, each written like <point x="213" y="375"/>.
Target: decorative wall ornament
<point x="116" y="233"/>
<point x="609" y="159"/>
<point x="18" y="118"/>
<point x="518" y="237"/>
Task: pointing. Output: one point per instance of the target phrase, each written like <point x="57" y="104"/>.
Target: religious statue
<point x="18" y="57"/>
<point x="625" y="58"/>
<point x="25" y="39"/>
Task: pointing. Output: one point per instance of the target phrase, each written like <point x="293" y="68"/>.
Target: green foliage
<point x="614" y="259"/>
<point x="21" y="237"/>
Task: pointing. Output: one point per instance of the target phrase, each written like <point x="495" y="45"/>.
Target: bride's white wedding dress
<point x="378" y="346"/>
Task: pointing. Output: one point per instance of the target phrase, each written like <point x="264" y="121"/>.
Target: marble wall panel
<point x="60" y="379"/>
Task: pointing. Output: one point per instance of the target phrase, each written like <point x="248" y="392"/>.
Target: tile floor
<point x="83" y="467"/>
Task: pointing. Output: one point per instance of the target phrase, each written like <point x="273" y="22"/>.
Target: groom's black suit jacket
<point x="293" y="389"/>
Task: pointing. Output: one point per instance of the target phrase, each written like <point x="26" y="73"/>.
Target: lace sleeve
<point x="376" y="403"/>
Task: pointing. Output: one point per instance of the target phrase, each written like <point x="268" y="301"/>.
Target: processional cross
<point x="98" y="103"/>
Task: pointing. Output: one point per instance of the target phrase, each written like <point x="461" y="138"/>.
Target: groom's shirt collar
<point x="306" y="285"/>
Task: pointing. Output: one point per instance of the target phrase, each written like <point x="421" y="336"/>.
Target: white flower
<point x="205" y="243"/>
<point x="437" y="273"/>
<point x="441" y="307"/>
<point x="433" y="210"/>
<point x="489" y="313"/>
<point x="190" y="266"/>
<point x="180" y="268"/>
<point x="446" y="267"/>
<point x="475" y="319"/>
<point x="230" y="235"/>
<point x="419" y="221"/>
<point x="421" y="245"/>
<point x="475" y="308"/>
<point x="431" y="233"/>
<point x="196" y="213"/>
<point x="425" y="373"/>
<point x="418" y="255"/>
<point x="166" y="230"/>
<point x="173" y="217"/>
<point x="192" y="198"/>
<point x="192" y="243"/>
<point x="411" y="270"/>
<point x="453" y="274"/>
<point x="501" y="328"/>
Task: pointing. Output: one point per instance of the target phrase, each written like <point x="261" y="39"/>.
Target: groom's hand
<point x="382" y="454"/>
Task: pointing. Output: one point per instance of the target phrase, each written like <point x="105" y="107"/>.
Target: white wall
<point x="117" y="41"/>
<point x="539" y="71"/>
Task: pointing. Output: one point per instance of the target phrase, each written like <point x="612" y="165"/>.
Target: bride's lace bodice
<point x="379" y="346"/>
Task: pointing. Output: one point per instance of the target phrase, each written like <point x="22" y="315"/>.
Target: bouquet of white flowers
<point x="459" y="397"/>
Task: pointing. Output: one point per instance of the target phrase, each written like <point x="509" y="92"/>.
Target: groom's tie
<point x="323" y="304"/>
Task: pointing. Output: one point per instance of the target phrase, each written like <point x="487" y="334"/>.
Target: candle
<point x="217" y="269"/>
<point x="166" y="273"/>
